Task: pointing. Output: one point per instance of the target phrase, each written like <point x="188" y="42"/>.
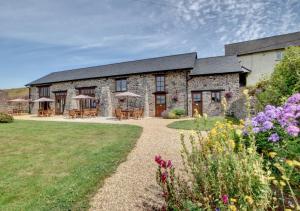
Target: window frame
<point x="120" y="82"/>
<point x="162" y="83"/>
<point x="44" y="91"/>
<point x="89" y="91"/>
<point x="216" y="96"/>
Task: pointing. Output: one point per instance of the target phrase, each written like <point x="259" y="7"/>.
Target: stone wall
<point x="143" y="84"/>
<point x="206" y="84"/>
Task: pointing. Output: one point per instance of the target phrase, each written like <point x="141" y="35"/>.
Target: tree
<point x="284" y="82"/>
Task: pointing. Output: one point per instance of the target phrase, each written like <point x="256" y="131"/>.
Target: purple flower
<point x="256" y="130"/>
<point x="274" y="137"/>
<point x="293" y="130"/>
<point x="267" y="125"/>
<point x="294" y="98"/>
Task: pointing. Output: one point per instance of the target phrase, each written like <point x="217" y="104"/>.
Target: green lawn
<point x="58" y="166"/>
<point x="191" y="125"/>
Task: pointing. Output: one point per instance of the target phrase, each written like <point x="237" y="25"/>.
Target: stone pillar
<point x="106" y="102"/>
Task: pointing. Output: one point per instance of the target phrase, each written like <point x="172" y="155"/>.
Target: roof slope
<point x="263" y="44"/>
<point x="217" y="65"/>
<point x="174" y="62"/>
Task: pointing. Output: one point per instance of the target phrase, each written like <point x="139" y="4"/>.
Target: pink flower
<point x="225" y="199"/>
<point x="158" y="159"/>
<point x="169" y="164"/>
<point x="164" y="177"/>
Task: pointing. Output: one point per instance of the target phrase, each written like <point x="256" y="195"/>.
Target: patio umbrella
<point x="81" y="98"/>
<point x="43" y="99"/>
<point x="127" y="95"/>
<point x="19" y="101"/>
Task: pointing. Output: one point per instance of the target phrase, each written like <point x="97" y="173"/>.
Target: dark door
<point x="60" y="101"/>
<point x="197" y="102"/>
<point x="160" y="104"/>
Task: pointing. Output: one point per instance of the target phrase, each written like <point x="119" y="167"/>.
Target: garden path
<point x="133" y="185"/>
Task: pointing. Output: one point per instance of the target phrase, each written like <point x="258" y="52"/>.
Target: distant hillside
<point x="9" y="94"/>
<point x="17" y="93"/>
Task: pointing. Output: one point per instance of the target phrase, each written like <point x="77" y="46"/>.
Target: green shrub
<point x="5" y="118"/>
<point x="178" y="111"/>
<point x="284" y="81"/>
<point x="167" y="114"/>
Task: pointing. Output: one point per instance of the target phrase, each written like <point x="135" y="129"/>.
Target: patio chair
<point x="87" y="112"/>
<point x="72" y="114"/>
<point x="40" y="112"/>
<point x="136" y="113"/>
<point x="93" y="112"/>
<point x="119" y="114"/>
<point x="141" y="112"/>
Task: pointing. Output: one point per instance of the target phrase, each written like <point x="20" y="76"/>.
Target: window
<point x="216" y="96"/>
<point x="160" y="99"/>
<point x="279" y="55"/>
<point x="121" y="85"/>
<point x="160" y="83"/>
<point x="44" y="91"/>
<point x="88" y="103"/>
<point x="243" y="79"/>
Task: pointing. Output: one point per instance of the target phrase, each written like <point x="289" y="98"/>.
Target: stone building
<point x="177" y="81"/>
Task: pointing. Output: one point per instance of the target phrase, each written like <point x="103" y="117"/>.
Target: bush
<point x="167" y="114"/>
<point x="178" y="111"/>
<point x="276" y="131"/>
<point x="219" y="174"/>
<point x="5" y="118"/>
<point x="284" y="81"/>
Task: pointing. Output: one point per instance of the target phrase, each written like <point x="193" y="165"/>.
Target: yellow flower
<point x="213" y="132"/>
<point x="239" y="132"/>
<point x="271" y="178"/>
<point x="250" y="150"/>
<point x="232" y="207"/>
<point x="275" y="182"/>
<point x="282" y="183"/>
<point x="231" y="143"/>
<point x="296" y="163"/>
<point x="279" y="167"/>
<point x="289" y="162"/>
<point x="233" y="200"/>
<point x="287" y="210"/>
<point x="272" y="154"/>
<point x="246" y="92"/>
<point x="285" y="178"/>
<point x="242" y="122"/>
<point x="249" y="199"/>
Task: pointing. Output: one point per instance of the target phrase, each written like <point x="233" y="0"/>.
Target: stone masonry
<point x="142" y="84"/>
<point x="206" y="84"/>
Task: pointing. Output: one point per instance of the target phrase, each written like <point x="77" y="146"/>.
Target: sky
<point x="42" y="36"/>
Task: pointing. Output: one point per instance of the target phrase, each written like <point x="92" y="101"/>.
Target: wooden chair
<point x="119" y="114"/>
<point x="40" y="112"/>
<point x="93" y="112"/>
<point x="72" y="114"/>
<point x="136" y="113"/>
<point x="87" y="112"/>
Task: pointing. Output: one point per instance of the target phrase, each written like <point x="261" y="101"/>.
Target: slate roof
<point x="174" y="62"/>
<point x="263" y="44"/>
<point x="217" y="65"/>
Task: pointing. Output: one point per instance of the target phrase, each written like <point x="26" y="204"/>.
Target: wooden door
<point x="197" y="102"/>
<point x="60" y="101"/>
<point x="160" y="104"/>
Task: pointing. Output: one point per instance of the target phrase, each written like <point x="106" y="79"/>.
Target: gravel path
<point x="133" y="185"/>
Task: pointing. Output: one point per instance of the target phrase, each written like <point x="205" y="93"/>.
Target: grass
<point x="17" y="92"/>
<point x="58" y="166"/>
<point x="190" y="124"/>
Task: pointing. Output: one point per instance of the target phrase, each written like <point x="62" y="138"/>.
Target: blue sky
<point x="41" y="36"/>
